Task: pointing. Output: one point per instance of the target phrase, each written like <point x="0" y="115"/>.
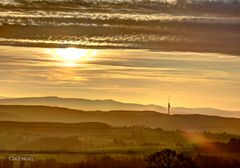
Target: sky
<point x="137" y="76"/>
<point x="196" y="26"/>
<point x="136" y="51"/>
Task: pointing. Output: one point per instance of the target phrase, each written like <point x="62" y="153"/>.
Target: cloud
<point x="121" y="74"/>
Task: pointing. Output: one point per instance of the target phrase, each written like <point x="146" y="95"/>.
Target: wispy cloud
<point x="124" y="75"/>
<point x="141" y="24"/>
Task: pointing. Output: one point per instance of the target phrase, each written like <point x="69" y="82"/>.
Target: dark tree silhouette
<point x="163" y="159"/>
<point x="184" y="161"/>
<point x="169" y="159"/>
<point x="180" y="161"/>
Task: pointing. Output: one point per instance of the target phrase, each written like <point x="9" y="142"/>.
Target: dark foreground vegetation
<point x="99" y="145"/>
<point x="163" y="159"/>
<point x="233" y="146"/>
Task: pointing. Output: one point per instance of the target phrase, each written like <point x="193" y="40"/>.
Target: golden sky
<point x="139" y="76"/>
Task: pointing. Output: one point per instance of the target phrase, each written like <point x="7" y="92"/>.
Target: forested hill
<point x="120" y="118"/>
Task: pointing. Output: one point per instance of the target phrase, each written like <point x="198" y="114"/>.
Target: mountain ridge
<point x="192" y="122"/>
<point x="109" y="104"/>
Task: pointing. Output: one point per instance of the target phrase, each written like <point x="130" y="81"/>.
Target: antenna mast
<point x="169" y="105"/>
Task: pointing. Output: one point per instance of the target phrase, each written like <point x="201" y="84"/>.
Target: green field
<point x="99" y="138"/>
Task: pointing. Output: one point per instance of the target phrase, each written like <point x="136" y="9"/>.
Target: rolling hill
<point x="120" y="118"/>
<point x="107" y="105"/>
<point x="80" y="104"/>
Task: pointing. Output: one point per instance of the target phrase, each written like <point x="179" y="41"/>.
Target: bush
<point x="170" y="159"/>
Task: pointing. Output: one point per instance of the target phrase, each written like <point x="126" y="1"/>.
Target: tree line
<point x="163" y="159"/>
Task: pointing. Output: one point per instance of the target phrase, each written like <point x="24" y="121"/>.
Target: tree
<point x="169" y="159"/>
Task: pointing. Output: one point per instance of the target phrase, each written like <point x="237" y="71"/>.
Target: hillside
<point x="120" y="118"/>
<point x="97" y="137"/>
<point x="107" y="105"/>
<point x="80" y="104"/>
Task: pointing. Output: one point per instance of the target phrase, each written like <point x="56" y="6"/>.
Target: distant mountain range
<point x="80" y="104"/>
<point x="206" y="111"/>
<point x="120" y="118"/>
<point x="108" y="105"/>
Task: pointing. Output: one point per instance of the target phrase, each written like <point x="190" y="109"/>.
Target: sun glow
<point x="71" y="57"/>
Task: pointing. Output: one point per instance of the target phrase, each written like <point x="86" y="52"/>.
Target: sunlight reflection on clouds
<point x="140" y="76"/>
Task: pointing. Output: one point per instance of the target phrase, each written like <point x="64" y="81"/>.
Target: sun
<point x="70" y="54"/>
<point x="71" y="57"/>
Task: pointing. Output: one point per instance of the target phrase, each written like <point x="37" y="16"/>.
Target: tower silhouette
<point x="169" y="105"/>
